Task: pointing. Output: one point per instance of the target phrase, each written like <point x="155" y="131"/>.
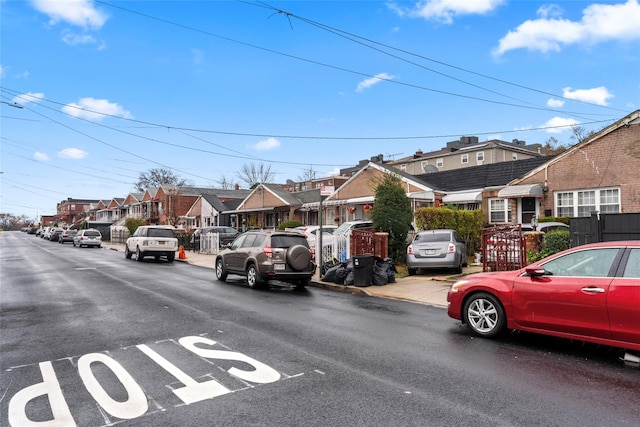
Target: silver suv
<point x="152" y="240"/>
<point x="264" y="255"/>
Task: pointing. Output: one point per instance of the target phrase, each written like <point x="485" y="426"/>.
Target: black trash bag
<point x="324" y="268"/>
<point x="380" y="276"/>
<point x="350" y="275"/>
<point x="342" y="273"/>
<point x="331" y="274"/>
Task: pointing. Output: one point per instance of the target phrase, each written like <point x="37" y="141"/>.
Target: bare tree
<point x="226" y="183"/>
<point x="253" y="174"/>
<point x="158" y="177"/>
<point x="307" y="175"/>
<point x="580" y="134"/>
<point x="552" y="147"/>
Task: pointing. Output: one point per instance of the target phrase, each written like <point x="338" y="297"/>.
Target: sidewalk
<point x="430" y="288"/>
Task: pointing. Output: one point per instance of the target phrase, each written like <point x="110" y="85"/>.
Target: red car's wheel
<point x="484" y="315"/>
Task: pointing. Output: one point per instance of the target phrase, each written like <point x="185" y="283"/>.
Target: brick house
<point x="73" y="210"/>
<point x="349" y="201"/>
<point x="600" y="174"/>
<point x="269" y="205"/>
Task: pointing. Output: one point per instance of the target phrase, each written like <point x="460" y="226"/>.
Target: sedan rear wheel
<point x="484" y="314"/>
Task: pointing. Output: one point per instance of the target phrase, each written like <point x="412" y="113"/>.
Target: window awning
<point x="466" y="197"/>
<point x="517" y="191"/>
<point x="421" y="195"/>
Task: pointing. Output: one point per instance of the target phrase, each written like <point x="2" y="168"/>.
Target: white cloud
<point x="72" y="153"/>
<point x="555" y="103"/>
<point x="549" y="33"/>
<point x="333" y="172"/>
<point x="81" y="13"/>
<point x="367" y="83"/>
<point x="28" y="97"/>
<point x="74" y="39"/>
<point x="559" y="124"/>
<point x="597" y="95"/>
<point x="1" y="71"/>
<point x="445" y="10"/>
<point x="40" y="156"/>
<point x="267" y="144"/>
<point x="95" y="109"/>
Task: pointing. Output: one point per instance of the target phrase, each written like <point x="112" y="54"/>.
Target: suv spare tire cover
<point x="298" y="257"/>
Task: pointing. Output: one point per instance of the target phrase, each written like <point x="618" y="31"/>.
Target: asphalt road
<point x="91" y="339"/>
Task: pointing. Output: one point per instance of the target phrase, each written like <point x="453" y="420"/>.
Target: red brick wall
<point x="610" y="161"/>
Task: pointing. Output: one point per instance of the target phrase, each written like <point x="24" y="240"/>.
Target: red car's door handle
<point x="592" y="290"/>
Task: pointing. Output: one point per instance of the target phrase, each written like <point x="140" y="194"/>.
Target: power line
<point x="303" y="137"/>
<point x="299" y="58"/>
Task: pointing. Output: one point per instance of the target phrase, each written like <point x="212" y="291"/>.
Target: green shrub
<point x="554" y="241"/>
<point x="132" y="224"/>
<point x="290" y="224"/>
<point x="467" y="223"/>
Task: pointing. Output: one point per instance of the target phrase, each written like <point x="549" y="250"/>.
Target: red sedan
<point x="587" y="293"/>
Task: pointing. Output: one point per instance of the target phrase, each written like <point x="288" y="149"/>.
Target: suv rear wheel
<point x="221" y="274"/>
<point x="253" y="277"/>
<point x="139" y="254"/>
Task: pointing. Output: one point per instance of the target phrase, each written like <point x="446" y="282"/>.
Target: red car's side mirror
<point x="535" y="271"/>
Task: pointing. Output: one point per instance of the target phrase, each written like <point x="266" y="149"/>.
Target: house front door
<point x="528" y="210"/>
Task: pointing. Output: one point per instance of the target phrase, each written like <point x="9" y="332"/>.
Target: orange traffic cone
<point x="181" y="253"/>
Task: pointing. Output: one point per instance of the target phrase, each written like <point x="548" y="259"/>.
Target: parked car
<point x="346" y="227"/>
<point x="88" y="237"/>
<point x="588" y="293"/>
<point x="226" y="235"/>
<point x="436" y="249"/>
<point x="262" y="255"/>
<point x="546" y="226"/>
<point x="55" y="233"/>
<point x="152" y="240"/>
<point x="46" y="233"/>
<point x="310" y="232"/>
<point x="67" y="236"/>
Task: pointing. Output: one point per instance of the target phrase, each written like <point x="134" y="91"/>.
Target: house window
<point x="440" y="162"/>
<point x="500" y="210"/>
<point x="480" y="157"/>
<point x="270" y="220"/>
<point x="403" y="168"/>
<point x="514" y="156"/>
<point x="564" y="204"/>
<point x="585" y="202"/>
<point x="609" y="201"/>
<point x="464" y="158"/>
<point x="424" y="164"/>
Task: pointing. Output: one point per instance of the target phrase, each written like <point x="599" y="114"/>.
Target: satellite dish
<point x="429" y="168"/>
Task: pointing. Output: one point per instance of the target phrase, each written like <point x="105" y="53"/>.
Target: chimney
<point x="237" y="187"/>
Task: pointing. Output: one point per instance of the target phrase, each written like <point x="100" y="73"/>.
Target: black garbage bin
<point x="363" y="270"/>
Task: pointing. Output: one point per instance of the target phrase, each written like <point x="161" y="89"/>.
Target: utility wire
<point x="310" y="137"/>
<point x="346" y="70"/>
<point x="350" y="36"/>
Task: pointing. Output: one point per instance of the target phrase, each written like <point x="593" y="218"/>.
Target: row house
<point x="72" y="210"/>
<point x="468" y="151"/>
<point x="598" y="175"/>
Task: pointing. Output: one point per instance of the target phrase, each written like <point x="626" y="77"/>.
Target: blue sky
<point x="111" y="89"/>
